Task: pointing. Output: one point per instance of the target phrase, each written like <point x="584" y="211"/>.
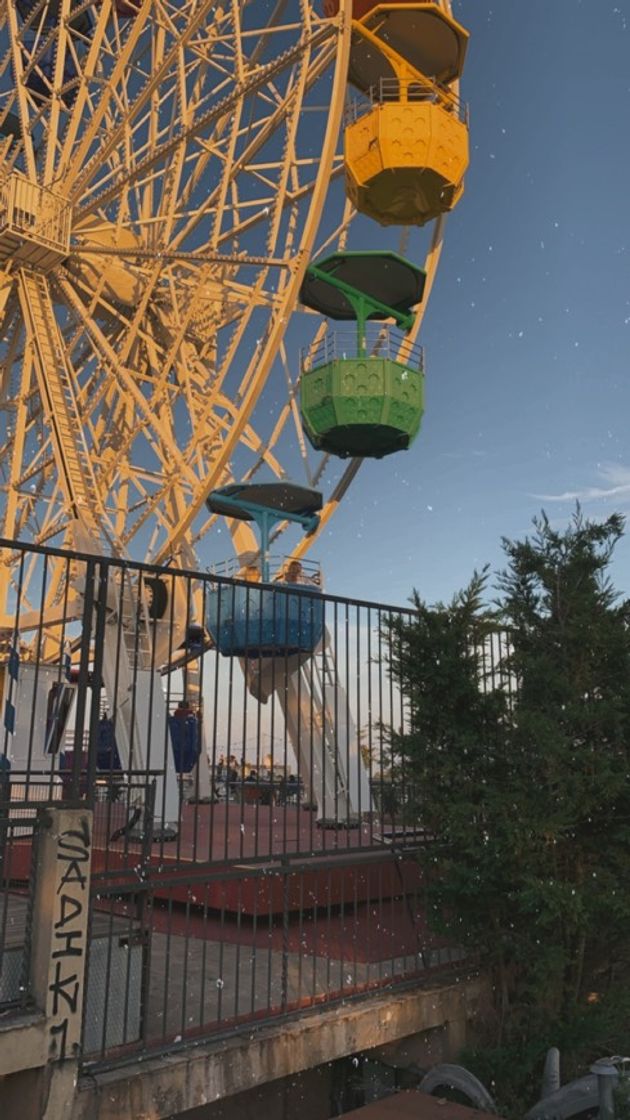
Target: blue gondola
<point x="264" y="622"/>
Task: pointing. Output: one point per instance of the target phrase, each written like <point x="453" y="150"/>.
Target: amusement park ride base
<point x="232" y="836"/>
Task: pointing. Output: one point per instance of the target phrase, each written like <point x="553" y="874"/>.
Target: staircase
<point x="76" y="475"/>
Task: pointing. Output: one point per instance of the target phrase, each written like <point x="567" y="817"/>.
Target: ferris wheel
<point x="168" y="170"/>
<point x="181" y="183"/>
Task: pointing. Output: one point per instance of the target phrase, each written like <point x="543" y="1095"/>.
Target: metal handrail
<point x="35" y="211"/>
<point x="378" y="342"/>
<point x="232" y="567"/>
<point x="406" y="91"/>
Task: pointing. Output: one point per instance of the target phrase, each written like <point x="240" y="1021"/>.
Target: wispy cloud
<point x="614" y="482"/>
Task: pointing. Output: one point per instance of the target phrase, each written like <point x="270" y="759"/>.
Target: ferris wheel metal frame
<point x="67" y="157"/>
<point x="164" y="185"/>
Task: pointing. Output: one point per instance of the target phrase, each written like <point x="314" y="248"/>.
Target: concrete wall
<point x="161" y="1088"/>
<point x="305" y="1095"/>
<point x="39" y="1052"/>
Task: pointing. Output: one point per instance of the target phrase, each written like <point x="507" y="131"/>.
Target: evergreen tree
<point x="526" y="790"/>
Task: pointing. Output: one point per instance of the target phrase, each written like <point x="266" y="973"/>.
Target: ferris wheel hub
<point x="34" y="224"/>
<point x="117" y="277"/>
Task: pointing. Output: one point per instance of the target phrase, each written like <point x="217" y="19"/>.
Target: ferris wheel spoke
<point x="103" y="167"/>
<point x="159" y="256"/>
<point x="321" y="469"/>
<point x="61" y="49"/>
<point x="255" y="378"/>
<point x="11" y="346"/>
<point x="90" y="132"/>
<point x="244" y="162"/>
<point x="196" y="143"/>
<point x="153" y="508"/>
<point x="233" y="166"/>
<point x="332" y="505"/>
<point x="146" y="412"/>
<point x="137" y="425"/>
<point x="430" y="265"/>
<point x="251" y="440"/>
<point x="273" y="231"/>
<point x="57" y="391"/>
<point x="165" y="150"/>
<point x="14" y="476"/>
<point x="20" y="90"/>
<point x="50" y="518"/>
<point x="288" y="410"/>
<point x="248" y="225"/>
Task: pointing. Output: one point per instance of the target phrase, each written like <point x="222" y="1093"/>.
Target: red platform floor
<point x="227" y="831"/>
<point x="229" y="856"/>
<point x="369" y="932"/>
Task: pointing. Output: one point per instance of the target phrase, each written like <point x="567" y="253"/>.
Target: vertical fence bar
<point x="83" y="679"/>
<point x="97" y="681"/>
<point x="251" y="882"/>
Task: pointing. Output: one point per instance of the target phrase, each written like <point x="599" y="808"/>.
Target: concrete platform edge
<point x="160" y="1087"/>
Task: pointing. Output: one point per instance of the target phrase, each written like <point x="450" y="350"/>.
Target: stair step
<point x="59" y="390"/>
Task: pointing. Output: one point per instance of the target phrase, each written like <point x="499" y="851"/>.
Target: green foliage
<point x="525" y="788"/>
<point x="621" y="1098"/>
<point x="513" y="1071"/>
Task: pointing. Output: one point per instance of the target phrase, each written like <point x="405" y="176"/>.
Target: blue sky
<point x="528" y="330"/>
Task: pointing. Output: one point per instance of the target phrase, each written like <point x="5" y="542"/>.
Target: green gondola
<point x="362" y="390"/>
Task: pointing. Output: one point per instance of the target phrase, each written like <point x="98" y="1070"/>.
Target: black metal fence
<point x="254" y="840"/>
<point x="16" y="907"/>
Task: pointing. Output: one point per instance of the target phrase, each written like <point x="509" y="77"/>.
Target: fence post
<point x="5" y="804"/>
<point x="284" y="983"/>
<point x="84" y="678"/>
<point x="59" y="946"/>
<point x="99" y="598"/>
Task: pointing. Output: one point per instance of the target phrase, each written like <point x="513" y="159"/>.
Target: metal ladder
<point x="131" y="681"/>
<point x="60" y="405"/>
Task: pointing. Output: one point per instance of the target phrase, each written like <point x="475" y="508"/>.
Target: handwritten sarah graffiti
<point x="69" y="940"/>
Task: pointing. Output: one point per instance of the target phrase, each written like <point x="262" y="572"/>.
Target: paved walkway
<point x="196" y="985"/>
